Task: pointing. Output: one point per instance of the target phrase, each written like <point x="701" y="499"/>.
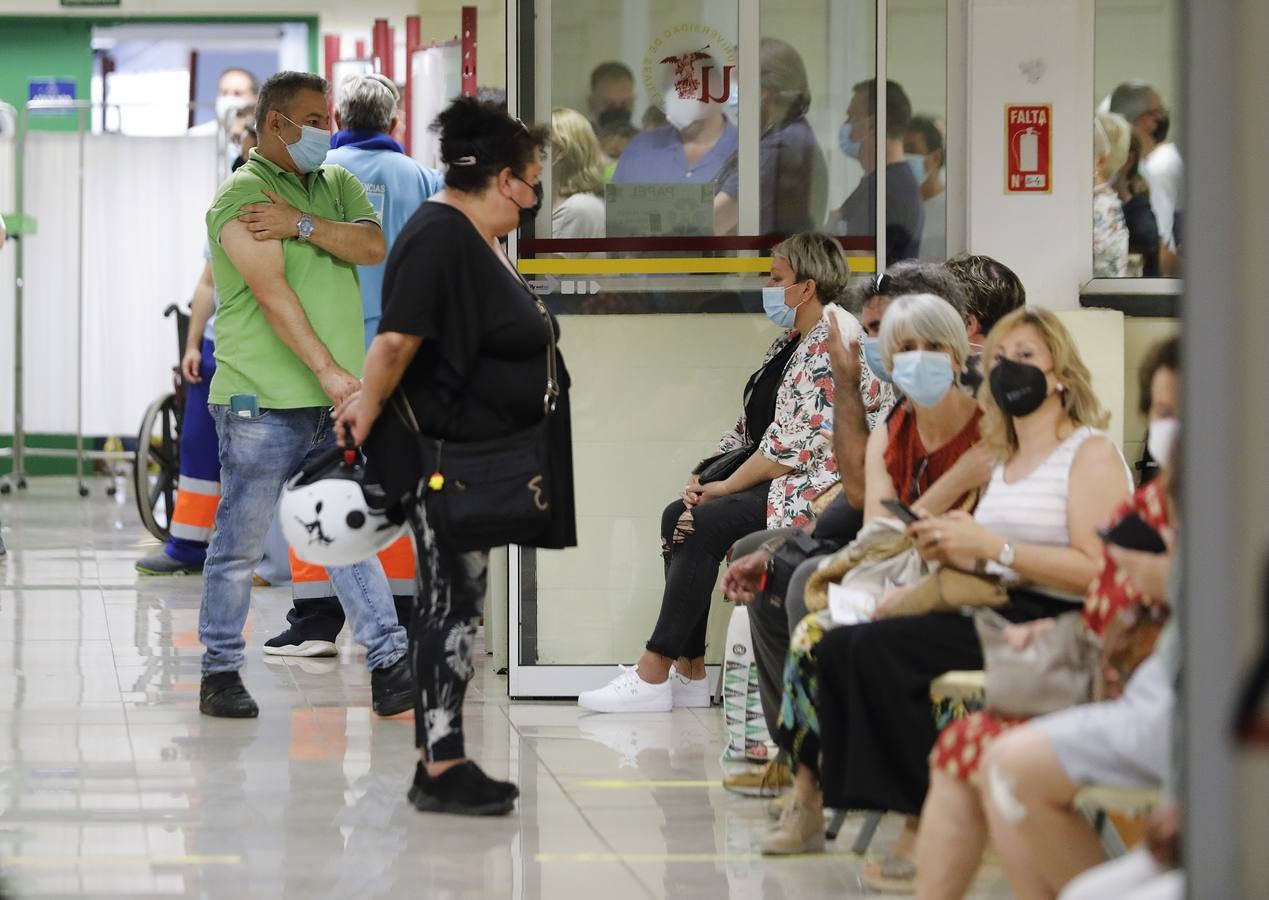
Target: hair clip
<point x="464" y="161"/>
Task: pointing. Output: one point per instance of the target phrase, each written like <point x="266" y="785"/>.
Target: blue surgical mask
<point x="774" y="306"/>
<point x="849" y="147"/>
<point x="872" y="355"/>
<point x="923" y="375"/>
<point x="310" y="150"/>
<point x="917" y="163"/>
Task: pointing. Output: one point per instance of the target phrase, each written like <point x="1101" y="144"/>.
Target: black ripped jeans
<point x="693" y="543"/>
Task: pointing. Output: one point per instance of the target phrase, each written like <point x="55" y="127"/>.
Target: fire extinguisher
<point x="1026" y="147"/>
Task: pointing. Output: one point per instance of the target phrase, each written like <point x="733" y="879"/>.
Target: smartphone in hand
<point x="1132" y="533"/>
<point x="904" y="514"/>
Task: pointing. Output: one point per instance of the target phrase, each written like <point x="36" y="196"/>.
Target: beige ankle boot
<point x="800" y="830"/>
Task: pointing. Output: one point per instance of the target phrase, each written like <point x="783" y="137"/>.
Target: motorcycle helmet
<point x="331" y="517"/>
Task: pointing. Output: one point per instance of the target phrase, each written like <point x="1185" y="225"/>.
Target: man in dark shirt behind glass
<point x="905" y="213"/>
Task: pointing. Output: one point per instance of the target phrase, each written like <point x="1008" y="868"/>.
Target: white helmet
<point x="331" y="517"/>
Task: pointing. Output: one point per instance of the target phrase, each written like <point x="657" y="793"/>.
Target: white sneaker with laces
<point x="689" y="693"/>
<point x="629" y="693"/>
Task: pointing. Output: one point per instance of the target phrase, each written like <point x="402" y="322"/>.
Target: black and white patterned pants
<point x="450" y="602"/>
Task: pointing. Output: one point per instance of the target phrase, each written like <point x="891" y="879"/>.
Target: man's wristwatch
<point x="1006" y="555"/>
<point x="304" y="227"/>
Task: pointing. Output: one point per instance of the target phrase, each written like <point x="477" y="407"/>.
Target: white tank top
<point x="1033" y="510"/>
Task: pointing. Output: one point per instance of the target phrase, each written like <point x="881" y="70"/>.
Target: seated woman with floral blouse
<point x="786" y="427"/>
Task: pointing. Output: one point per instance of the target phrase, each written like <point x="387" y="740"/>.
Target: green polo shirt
<point x="250" y="357"/>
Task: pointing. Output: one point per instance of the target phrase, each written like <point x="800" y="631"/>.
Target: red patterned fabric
<point x="964" y="741"/>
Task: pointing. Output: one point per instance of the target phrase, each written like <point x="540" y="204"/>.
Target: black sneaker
<point x="223" y="695"/>
<point x="392" y="688"/>
<point x="463" y="790"/>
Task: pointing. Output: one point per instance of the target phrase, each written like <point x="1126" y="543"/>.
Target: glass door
<point x="653" y="249"/>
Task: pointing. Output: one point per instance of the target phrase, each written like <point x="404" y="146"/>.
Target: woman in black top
<point x="463" y="336"/>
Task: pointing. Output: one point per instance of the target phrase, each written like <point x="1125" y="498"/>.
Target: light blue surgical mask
<point x="310" y="150"/>
<point x="917" y="163"/>
<point x="849" y="147"/>
<point x="925" y="376"/>
<point x="872" y="355"/>
<point x="774" y="306"/>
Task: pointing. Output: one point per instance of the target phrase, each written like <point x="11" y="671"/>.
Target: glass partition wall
<point x="691" y="136"/>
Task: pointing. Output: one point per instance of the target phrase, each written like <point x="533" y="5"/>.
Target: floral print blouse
<point x="1110" y="235"/>
<point x="801" y="434"/>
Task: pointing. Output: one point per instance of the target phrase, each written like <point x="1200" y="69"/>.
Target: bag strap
<point x="552" y="395"/>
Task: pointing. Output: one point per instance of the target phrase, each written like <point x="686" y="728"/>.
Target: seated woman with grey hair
<point x="775" y="462"/>
<point x="925" y="458"/>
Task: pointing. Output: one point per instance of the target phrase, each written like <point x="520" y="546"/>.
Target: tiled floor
<point x="113" y="785"/>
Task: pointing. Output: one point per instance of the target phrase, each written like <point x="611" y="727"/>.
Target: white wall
<point x="1045" y="238"/>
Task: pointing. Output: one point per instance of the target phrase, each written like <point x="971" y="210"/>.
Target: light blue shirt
<point x="396" y="185"/>
<point x="657" y="157"/>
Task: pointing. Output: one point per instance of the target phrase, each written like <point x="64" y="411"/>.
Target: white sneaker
<point x="687" y="692"/>
<point x="628" y="693"/>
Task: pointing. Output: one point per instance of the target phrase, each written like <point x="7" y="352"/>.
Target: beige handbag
<point x="1054" y="671"/>
<point x="947" y="590"/>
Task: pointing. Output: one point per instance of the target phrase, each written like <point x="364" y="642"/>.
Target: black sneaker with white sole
<point x="300" y="642"/>
<point x="463" y="790"/>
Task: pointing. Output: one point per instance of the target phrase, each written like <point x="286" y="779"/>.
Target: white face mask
<point x="1161" y="438"/>
<point x="683" y="111"/>
<point x="226" y="106"/>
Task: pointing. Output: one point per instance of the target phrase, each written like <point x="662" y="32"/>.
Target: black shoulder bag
<point x="483" y="494"/>
<point x="759" y="405"/>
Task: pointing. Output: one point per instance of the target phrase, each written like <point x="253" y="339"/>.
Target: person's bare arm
<point x="261" y="266"/>
<point x="389" y="355"/>
<point x="726" y="213"/>
<point x="360" y="243"/>
<point x="850" y="424"/>
<point x="200" y="311"/>
<point x="877" y="483"/>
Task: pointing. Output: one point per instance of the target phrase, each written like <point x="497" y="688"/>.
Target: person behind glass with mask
<point x="923" y="147"/>
<point x="1160" y="162"/>
<point x="691" y="148"/>
<point x="237" y="88"/>
<point x="792" y="177"/>
<point x="612" y="95"/>
<point x="905" y="214"/>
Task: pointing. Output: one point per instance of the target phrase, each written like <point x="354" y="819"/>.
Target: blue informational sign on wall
<point x="51" y="90"/>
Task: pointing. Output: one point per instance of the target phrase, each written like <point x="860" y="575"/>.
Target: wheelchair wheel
<point x="157" y="470"/>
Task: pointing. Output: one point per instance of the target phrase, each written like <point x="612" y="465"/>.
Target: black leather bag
<point x="723" y="465"/>
<point x="482" y="494"/>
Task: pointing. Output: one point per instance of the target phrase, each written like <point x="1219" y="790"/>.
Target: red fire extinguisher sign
<point x="1028" y="148"/>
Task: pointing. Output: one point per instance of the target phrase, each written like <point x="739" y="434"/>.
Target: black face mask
<point x="1161" y="124"/>
<point x="529" y="213"/>
<point x="1018" y="388"/>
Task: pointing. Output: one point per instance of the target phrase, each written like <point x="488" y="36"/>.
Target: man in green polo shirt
<point x="287" y="234"/>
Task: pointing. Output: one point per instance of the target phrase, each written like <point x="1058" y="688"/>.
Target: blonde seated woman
<point x="577" y="179"/>
<point x="1057" y="479"/>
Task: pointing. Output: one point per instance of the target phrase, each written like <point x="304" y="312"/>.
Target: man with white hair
<point x="367" y="113"/>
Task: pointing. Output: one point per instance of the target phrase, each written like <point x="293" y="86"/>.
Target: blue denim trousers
<point x="257" y="457"/>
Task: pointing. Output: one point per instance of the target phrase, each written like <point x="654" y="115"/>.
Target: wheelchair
<point x="157" y="469"/>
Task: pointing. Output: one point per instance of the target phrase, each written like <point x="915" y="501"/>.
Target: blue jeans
<point x="257" y="457"/>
